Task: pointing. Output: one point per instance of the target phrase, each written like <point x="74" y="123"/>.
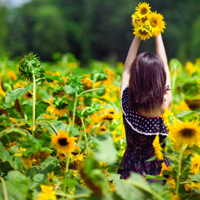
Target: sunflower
<point x="61" y="156"/>
<point x="157" y="148"/>
<point x="87" y="83"/>
<point x="51" y="177"/>
<point x="164" y="169"/>
<point x="156" y="23"/>
<point x="111" y="111"/>
<point x="184" y="133"/>
<point x="189" y="67"/>
<point x="28" y="95"/>
<point x="28" y="162"/>
<point x="195" y="164"/>
<point x="142" y="33"/>
<point x="64" y="144"/>
<point x="171" y="181"/>
<point x="58" y="107"/>
<point x="101" y="129"/>
<point x="167" y="117"/>
<point x="2" y="90"/>
<point x="78" y="158"/>
<point x="143" y="9"/>
<point x="12" y="75"/>
<point x="135" y="21"/>
<point x="47" y="193"/>
<point x="105" y="117"/>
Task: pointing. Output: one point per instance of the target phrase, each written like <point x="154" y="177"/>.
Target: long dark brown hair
<point x="147" y="82"/>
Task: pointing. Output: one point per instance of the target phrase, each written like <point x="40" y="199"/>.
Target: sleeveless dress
<point x="140" y="133"/>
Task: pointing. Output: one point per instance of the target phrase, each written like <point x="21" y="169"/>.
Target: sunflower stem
<point x="174" y="81"/>
<point x="179" y="169"/>
<point x="54" y="128"/>
<point x="66" y="170"/>
<point x="12" y="130"/>
<point x="74" y="109"/>
<point x="91" y="90"/>
<point x="5" y="192"/>
<point x="67" y="163"/>
<point x="86" y="139"/>
<point x="34" y="102"/>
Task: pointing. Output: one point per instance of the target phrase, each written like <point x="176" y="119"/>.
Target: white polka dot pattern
<point x="141" y="124"/>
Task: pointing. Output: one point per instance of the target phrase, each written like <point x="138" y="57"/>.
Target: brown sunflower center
<point x="153" y="22"/>
<point x="143" y="11"/>
<point x="108" y="118"/>
<point x="187" y="132"/>
<point x="144" y="19"/>
<point x="143" y="32"/>
<point x="111" y="112"/>
<point x="63" y="141"/>
<point x="29" y="94"/>
<point x="103" y="129"/>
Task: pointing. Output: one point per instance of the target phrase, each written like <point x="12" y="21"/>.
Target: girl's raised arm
<point x="129" y="60"/>
<point x="160" y="51"/>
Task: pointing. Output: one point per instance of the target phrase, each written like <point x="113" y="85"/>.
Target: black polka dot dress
<point x="140" y="133"/>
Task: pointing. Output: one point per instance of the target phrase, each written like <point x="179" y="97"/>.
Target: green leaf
<point x="102" y="151"/>
<point x="70" y="182"/>
<point x="17" y="185"/>
<point x="152" y="159"/>
<point x="196" y="190"/>
<point x="128" y="191"/>
<point x="5" y="156"/>
<point x="37" y="180"/>
<point x="195" y="177"/>
<point x="13" y="95"/>
<point x="139" y="180"/>
<point x="154" y="177"/>
<point x="60" y="125"/>
<point x="74" y="132"/>
<point x="174" y="64"/>
<point x="69" y="89"/>
<point x="196" y="149"/>
<point x="41" y="107"/>
<point x="50" y="78"/>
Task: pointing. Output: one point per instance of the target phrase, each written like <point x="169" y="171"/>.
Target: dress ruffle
<point x="141" y="124"/>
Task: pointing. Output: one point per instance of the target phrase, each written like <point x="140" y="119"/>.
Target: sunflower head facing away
<point x="58" y="106"/>
<point x="63" y="143"/>
<point x="184" y="133"/>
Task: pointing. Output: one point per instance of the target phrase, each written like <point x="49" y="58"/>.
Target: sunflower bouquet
<point x="147" y="23"/>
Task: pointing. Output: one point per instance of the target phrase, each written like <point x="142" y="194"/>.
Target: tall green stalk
<point x="34" y="103"/>
<point x="179" y="169"/>
<point x="86" y="139"/>
<point x="74" y="109"/>
<point x="4" y="189"/>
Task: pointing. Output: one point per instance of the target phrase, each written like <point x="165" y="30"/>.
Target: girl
<point x="145" y="92"/>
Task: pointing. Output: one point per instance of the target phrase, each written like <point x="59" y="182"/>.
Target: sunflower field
<point x="62" y="134"/>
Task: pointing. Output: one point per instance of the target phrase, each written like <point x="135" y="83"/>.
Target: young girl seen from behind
<point x="145" y="92"/>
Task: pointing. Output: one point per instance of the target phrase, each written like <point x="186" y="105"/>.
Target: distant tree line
<point x="93" y="29"/>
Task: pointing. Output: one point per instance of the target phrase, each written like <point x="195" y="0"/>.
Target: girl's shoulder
<point x="138" y="122"/>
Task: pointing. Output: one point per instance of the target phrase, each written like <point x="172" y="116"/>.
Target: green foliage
<point x="13" y="95"/>
<point x="93" y="29"/>
<point x="17" y="186"/>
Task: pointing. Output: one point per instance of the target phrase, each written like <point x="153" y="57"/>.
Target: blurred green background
<point x="94" y="29"/>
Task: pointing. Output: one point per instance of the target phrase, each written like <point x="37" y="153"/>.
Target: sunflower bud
<point x="29" y="66"/>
